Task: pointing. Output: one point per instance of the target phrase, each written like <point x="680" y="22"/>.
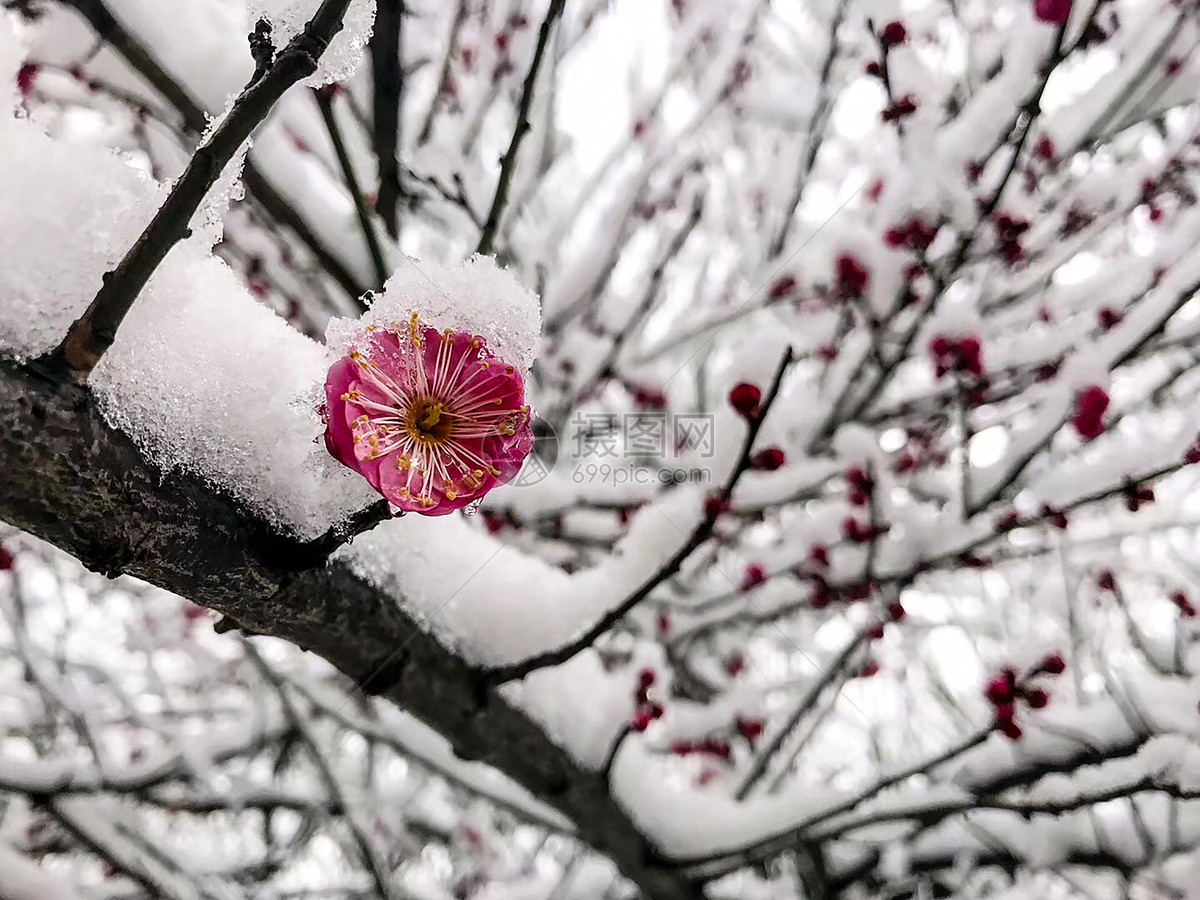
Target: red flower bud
<point x="1037" y="698"/>
<point x="852" y="277"/>
<point x="1011" y="730"/>
<point x="26" y="75"/>
<point x="1053" y="664"/>
<point x="745" y="398"/>
<point x="1108" y="318"/>
<point x="754" y="576"/>
<point x="783" y="287"/>
<point x="650" y="398"/>
<point x="768" y="459"/>
<point x="899" y="109"/>
<point x="893" y="34"/>
<point x="999" y="691"/>
<point x="715" y="506"/>
<point x="1009" y="521"/>
<point x="750" y="729"/>
<point x="1055" y="517"/>
<point x="1052" y="12"/>
<point x="1090" y="406"/>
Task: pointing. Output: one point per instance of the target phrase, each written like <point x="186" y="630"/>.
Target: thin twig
<point x="759" y="769"/>
<point x="509" y="162"/>
<point x="387" y="67"/>
<point x="371" y="858"/>
<point x="325" y="104"/>
<point x="460" y="18"/>
<point x="699" y="535"/>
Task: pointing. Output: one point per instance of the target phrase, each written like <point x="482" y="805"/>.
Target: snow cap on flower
<point x="476" y="296"/>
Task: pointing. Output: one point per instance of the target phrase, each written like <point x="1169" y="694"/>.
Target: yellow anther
<point x="432" y="417"/>
<point x="509" y="369"/>
<point x="415" y="327"/>
<point x="404" y="462"/>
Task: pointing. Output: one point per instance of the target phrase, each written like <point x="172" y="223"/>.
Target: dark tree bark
<point x="73" y="481"/>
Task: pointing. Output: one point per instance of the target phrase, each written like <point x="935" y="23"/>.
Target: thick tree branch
<point x="73" y="481"/>
<point x="508" y="164"/>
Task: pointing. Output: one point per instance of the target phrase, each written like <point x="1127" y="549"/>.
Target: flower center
<point x="428" y="421"/>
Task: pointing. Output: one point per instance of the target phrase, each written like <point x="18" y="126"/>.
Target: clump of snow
<point x="208" y="223"/>
<point x="856" y="444"/>
<point x="24" y="879"/>
<point x="1082" y="369"/>
<point x="12" y="55"/>
<point x="207" y="380"/>
<point x="684" y="822"/>
<point x="54" y="196"/>
<point x="496" y="605"/>
<point x="475" y="295"/>
<point x="288" y="18"/>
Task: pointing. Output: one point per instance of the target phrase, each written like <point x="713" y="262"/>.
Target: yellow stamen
<point x="434" y="414"/>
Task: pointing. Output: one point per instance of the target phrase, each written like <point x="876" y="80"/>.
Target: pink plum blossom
<point x="433" y="420"/>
